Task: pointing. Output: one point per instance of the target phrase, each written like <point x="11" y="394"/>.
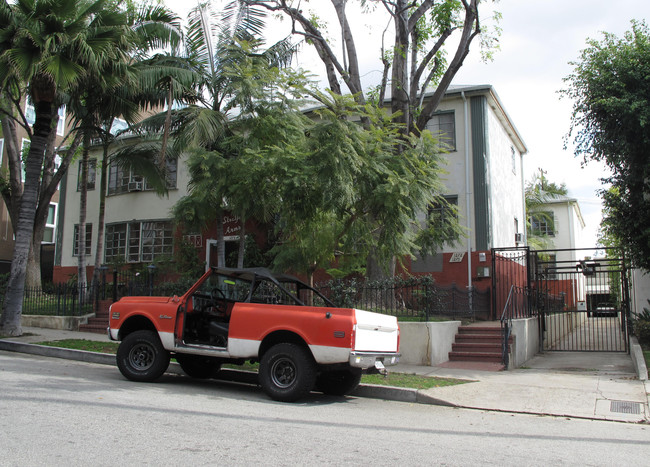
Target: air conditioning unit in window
<point x="519" y="238"/>
<point x="135" y="186"/>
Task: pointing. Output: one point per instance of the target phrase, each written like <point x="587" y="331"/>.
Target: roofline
<point x="497" y="104"/>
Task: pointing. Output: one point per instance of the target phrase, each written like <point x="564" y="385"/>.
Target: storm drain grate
<point x="625" y="407"/>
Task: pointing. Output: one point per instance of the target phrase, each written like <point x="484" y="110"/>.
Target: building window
<point x="115" y="248"/>
<point x="121" y="180"/>
<point x="514" y="160"/>
<point x="444" y="211"/>
<point x="138" y="242"/>
<point x="92" y="175"/>
<point x="50" y="224"/>
<point x="443" y="126"/>
<point x="89" y="237"/>
<point x="542" y="224"/>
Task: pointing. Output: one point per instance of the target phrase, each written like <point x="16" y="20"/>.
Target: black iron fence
<point x="418" y="298"/>
<point x="58" y="300"/>
<point x="415" y="298"/>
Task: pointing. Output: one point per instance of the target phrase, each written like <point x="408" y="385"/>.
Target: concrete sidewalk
<point x="599" y="386"/>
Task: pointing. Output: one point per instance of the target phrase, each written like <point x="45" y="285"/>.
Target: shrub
<point x="642" y="331"/>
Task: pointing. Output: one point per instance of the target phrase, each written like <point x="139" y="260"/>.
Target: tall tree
<point x="416" y="73"/>
<point x="233" y="72"/>
<point x="610" y="90"/>
<point x="539" y="192"/>
<point x="47" y="44"/>
<point x="112" y="91"/>
<point x="416" y="60"/>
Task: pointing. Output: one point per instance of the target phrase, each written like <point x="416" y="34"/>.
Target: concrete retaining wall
<point x="67" y="323"/>
<point x="427" y="343"/>
<point x="526" y="341"/>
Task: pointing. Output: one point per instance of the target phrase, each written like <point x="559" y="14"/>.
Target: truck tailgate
<point x="375" y="332"/>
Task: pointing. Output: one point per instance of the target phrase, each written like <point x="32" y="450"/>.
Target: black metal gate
<point x="583" y="305"/>
<point x="511" y="279"/>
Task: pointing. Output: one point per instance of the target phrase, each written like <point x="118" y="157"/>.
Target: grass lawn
<point x="401" y="380"/>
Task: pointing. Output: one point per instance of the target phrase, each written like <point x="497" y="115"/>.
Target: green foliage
<point x="641" y="326"/>
<point x="538" y="192"/>
<point x="610" y="123"/>
<point x="642" y="331"/>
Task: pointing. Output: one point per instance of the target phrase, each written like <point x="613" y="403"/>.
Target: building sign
<point x="457" y="257"/>
<point x="231" y="227"/>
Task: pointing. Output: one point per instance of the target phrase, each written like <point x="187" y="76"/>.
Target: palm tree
<point x="216" y="44"/>
<point x="48" y="45"/>
<point x="98" y="98"/>
<point x="538" y="193"/>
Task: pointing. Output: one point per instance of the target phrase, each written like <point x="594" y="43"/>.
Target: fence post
<point x="114" y="285"/>
<point x="103" y="269"/>
<point x="152" y="269"/>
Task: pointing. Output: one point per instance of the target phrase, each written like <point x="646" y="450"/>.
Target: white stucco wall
<point x="137" y="206"/>
<point x="455" y="167"/>
<point x="505" y="182"/>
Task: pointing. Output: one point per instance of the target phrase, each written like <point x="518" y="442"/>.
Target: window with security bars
<point x="124" y="180"/>
<point x="442" y="125"/>
<point x="91" y="175"/>
<point x="444" y="211"/>
<point x="139" y="242"/>
<point x="542" y="224"/>
<point x="89" y="237"/>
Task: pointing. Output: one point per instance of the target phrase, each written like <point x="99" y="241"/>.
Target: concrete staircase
<point x="99" y="323"/>
<point x="476" y="343"/>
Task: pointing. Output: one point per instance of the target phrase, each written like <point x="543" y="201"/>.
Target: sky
<point x="538" y="40"/>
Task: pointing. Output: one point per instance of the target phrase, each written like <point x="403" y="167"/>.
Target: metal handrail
<point x="506" y="329"/>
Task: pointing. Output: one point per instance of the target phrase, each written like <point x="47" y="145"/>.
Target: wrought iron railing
<point x="417" y="298"/>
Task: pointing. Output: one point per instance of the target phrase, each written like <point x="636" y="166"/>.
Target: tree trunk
<point x="242" y="245"/>
<point x="99" y="247"/>
<point x="221" y="247"/>
<point x="13" y="304"/>
<point x="83" y="199"/>
<point x="33" y="270"/>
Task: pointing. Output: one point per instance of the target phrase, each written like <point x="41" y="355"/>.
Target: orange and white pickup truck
<point x="239" y="315"/>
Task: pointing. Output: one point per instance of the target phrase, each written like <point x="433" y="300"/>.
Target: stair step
<point x="480" y="338"/>
<point x="96" y="328"/>
<point x="475" y="347"/>
<point x="479" y="330"/>
<point x="475" y="356"/>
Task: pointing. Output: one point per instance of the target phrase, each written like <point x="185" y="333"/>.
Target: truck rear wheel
<point x="287" y="372"/>
<point x="197" y="366"/>
<point x="142" y="357"/>
<point x="338" y="382"/>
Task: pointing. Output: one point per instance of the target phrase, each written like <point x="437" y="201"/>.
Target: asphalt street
<point x="64" y="412"/>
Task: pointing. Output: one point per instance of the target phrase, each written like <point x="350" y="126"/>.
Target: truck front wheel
<point x="287" y="372"/>
<point x="142" y="357"/>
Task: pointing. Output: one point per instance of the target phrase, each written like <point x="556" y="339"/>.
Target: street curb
<point x="57" y="352"/>
<point x="370" y="391"/>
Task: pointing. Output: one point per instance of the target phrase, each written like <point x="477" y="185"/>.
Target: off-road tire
<point x="287" y="372"/>
<point x="338" y="382"/>
<point x="141" y="356"/>
<point x="198" y="366"/>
